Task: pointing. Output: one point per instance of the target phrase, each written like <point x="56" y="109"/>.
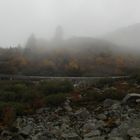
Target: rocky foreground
<point x="109" y="120"/>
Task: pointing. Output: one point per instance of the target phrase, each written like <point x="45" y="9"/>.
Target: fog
<point x="20" y="18"/>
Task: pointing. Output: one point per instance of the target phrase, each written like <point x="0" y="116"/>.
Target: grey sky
<point x="20" y="18"/>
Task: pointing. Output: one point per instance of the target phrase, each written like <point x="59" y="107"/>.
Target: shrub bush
<point x="113" y="93"/>
<point x="19" y="108"/>
<point x="9" y="111"/>
<point x="50" y="87"/>
<point x="105" y="82"/>
<point x="18" y="88"/>
<point x="93" y="95"/>
<point x="56" y="99"/>
<point x="10" y="96"/>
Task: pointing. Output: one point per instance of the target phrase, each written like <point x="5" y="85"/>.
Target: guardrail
<point x="22" y="77"/>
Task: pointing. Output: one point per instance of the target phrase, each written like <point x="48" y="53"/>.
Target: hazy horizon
<point x="77" y="17"/>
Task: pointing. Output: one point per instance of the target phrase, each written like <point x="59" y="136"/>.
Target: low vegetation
<point x="19" y="98"/>
<point x="22" y="97"/>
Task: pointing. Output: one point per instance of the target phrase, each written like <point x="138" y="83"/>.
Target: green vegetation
<point x="23" y="97"/>
<point x="50" y="87"/>
<point x="109" y="93"/>
<point x="56" y="99"/>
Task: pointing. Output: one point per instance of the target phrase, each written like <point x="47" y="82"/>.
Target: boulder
<point x="101" y="116"/>
<point x="131" y="98"/>
<point x="135" y="138"/>
<point x="93" y="134"/>
<point x="96" y="138"/>
<point x="100" y="124"/>
<point x="70" y="136"/>
<point x="82" y="113"/>
<point x="89" y="126"/>
<point x="134" y="132"/>
<point x="108" y="103"/>
<point x="26" y="130"/>
<point x="116" y="138"/>
<point x="114" y="133"/>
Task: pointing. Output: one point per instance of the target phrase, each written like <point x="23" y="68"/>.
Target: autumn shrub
<point x="9" y="111"/>
<point x="17" y="106"/>
<point x="8" y="115"/>
<point x="37" y="102"/>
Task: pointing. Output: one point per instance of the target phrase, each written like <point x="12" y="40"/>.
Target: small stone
<point x="116" y="106"/>
<point x="95" y="138"/>
<point x="82" y="113"/>
<point x="26" y="130"/>
<point x="93" y="133"/>
<point x="114" y="133"/>
<point x="135" y="138"/>
<point x="5" y="133"/>
<point x="101" y="117"/>
<point x="134" y="132"/>
<point x="116" y="138"/>
<point x="100" y="124"/>
<point x="108" y="103"/>
<point x="89" y="126"/>
<point x="70" y="136"/>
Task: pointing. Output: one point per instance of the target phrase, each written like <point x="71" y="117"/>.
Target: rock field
<point x="110" y="120"/>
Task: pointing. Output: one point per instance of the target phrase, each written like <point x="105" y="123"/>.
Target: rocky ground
<point x="109" y="120"/>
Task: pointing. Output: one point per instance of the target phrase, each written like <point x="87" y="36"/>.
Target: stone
<point x="116" y="106"/>
<point x="68" y="108"/>
<point x="40" y="111"/>
<point x="39" y="136"/>
<point x="93" y="133"/>
<point x="89" y="126"/>
<point x="131" y="96"/>
<point x="26" y="130"/>
<point x="108" y="103"/>
<point x="136" y="123"/>
<point x="82" y="113"/>
<point x="95" y="138"/>
<point x="134" y="132"/>
<point x="116" y="138"/>
<point x="135" y="138"/>
<point x="114" y="133"/>
<point x="70" y="136"/>
<point x="101" y="117"/>
<point x="18" y="137"/>
<point x="5" y="133"/>
<point x="100" y="124"/>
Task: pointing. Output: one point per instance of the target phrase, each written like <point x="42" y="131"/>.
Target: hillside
<point x="79" y="56"/>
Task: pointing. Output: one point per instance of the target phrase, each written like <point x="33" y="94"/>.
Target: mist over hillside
<point x="77" y="56"/>
<point x="126" y="37"/>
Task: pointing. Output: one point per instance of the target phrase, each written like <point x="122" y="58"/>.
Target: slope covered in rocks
<point x="109" y="120"/>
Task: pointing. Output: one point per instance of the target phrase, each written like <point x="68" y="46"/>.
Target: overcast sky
<point x="20" y="18"/>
